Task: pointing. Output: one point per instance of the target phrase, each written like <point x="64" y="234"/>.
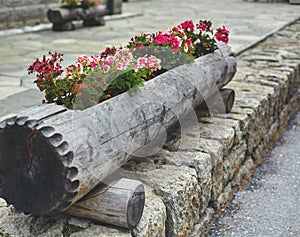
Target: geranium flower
<point x="176" y="42"/>
<point x="187" y="26"/>
<point x="105" y="68"/>
<point x="162" y="38"/>
<point x="204" y="25"/>
<point x="222" y="34"/>
<point x="110" y="60"/>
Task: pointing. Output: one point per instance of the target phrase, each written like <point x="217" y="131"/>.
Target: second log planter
<point x="51" y="157"/>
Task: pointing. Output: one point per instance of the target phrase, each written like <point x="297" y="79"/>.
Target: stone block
<point x="233" y="161"/>
<point x="179" y="189"/>
<point x="101" y="231"/>
<point x="222" y="133"/>
<point x="3" y="203"/>
<point x="225" y="197"/>
<point x="2" y="3"/>
<point x="154" y="217"/>
<point x="31" y="2"/>
<point x="29" y="12"/>
<point x="243" y="173"/>
<point x="6" y="15"/>
<point x="202" y="162"/>
<point x="222" y="119"/>
<point x="13" y="3"/>
<point x="269" y="137"/>
<point x="48" y="1"/>
<point x="256" y="155"/>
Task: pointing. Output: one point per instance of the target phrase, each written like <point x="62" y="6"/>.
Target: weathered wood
<point x="49" y="163"/>
<point x="62" y="18"/>
<point x="120" y="203"/>
<point x="221" y="103"/>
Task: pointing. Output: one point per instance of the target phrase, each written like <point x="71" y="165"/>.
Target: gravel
<point x="268" y="206"/>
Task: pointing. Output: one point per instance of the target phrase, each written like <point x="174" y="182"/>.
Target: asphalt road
<point x="269" y="204"/>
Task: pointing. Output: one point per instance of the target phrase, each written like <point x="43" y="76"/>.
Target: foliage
<point x="85" y="4"/>
<point x="4" y="234"/>
<point x="70" y="229"/>
<point x="93" y="79"/>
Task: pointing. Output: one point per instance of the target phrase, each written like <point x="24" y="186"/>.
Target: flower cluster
<point x="98" y="77"/>
<point x="194" y="40"/>
<point x="93" y="79"/>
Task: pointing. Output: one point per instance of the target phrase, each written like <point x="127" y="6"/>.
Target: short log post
<point x="120" y="204"/>
<point x="51" y="157"/>
<point x="219" y="104"/>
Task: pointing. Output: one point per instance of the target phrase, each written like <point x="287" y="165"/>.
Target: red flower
<point x="222" y="34"/>
<point x="162" y="38"/>
<point x="176" y="42"/>
<point x="204" y="25"/>
<point x="187" y="25"/>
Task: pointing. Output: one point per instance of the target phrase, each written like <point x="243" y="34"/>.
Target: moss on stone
<point x="70" y="229"/>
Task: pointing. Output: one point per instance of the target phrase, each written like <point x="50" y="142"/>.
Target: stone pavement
<point x="248" y="22"/>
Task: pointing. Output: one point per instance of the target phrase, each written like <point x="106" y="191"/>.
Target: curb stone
<point x="189" y="186"/>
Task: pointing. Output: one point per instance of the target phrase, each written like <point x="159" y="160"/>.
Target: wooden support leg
<point x="95" y="21"/>
<point x="63" y="26"/>
<point x="219" y="104"/>
<point x="120" y="204"/>
<point x="228" y="96"/>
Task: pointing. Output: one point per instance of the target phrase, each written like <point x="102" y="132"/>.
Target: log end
<point x="54" y="16"/>
<point x="135" y="206"/>
<point x="33" y="177"/>
<point x="119" y="203"/>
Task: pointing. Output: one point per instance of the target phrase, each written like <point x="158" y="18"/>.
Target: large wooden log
<point x="120" y="203"/>
<point x="51" y="157"/>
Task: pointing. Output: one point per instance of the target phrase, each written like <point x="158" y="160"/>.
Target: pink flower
<point x="141" y="62"/>
<point x="186" y="48"/>
<point x="121" y="66"/>
<point x="83" y="60"/>
<point x="36" y="67"/>
<point x="110" y="60"/>
<point x="197" y="41"/>
<point x="176" y="42"/>
<point x="58" y="68"/>
<point x="93" y="64"/>
<point x="162" y="38"/>
<point x="222" y="34"/>
<point x="105" y="68"/>
<point x="152" y="63"/>
<point x="187" y="26"/>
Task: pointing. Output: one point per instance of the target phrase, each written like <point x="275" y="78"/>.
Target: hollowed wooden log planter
<point x="51" y="157"/>
<point x="62" y="18"/>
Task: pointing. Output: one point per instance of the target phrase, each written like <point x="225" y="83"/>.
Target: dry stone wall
<point x="19" y="13"/>
<point x="186" y="186"/>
